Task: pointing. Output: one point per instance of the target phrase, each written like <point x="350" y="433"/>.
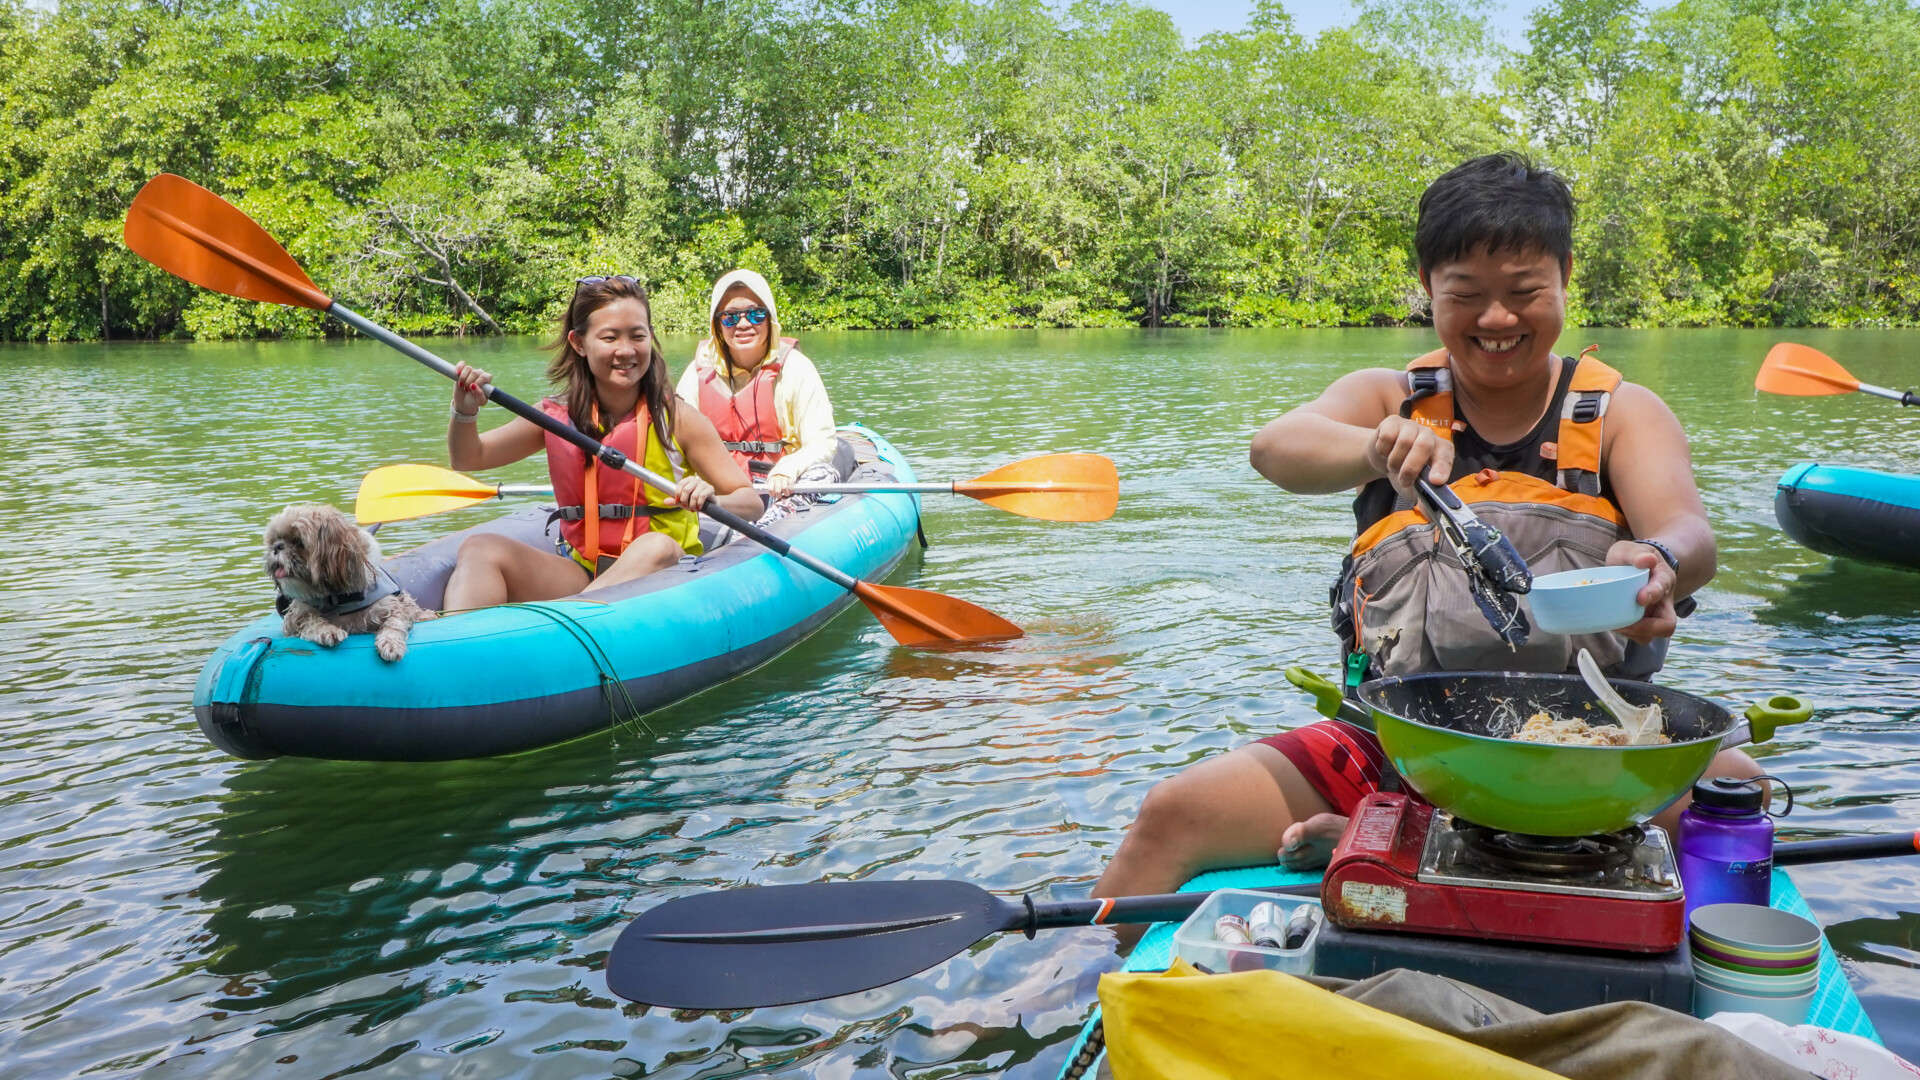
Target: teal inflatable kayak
<point x="1835" y="1006"/>
<point x="521" y="676"/>
<point x="1852" y="513"/>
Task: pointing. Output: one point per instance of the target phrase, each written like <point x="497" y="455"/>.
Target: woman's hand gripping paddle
<point x="194" y="234"/>
<point x="1799" y="371"/>
<point x="780" y="944"/>
<point x="1056" y="487"/>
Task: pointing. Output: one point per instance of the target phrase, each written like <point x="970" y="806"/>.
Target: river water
<point x="170" y="912"/>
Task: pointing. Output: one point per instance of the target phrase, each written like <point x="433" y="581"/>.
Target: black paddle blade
<point x="776" y="945"/>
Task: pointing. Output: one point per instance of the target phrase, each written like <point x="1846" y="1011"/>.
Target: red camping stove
<point x="1402" y="865"/>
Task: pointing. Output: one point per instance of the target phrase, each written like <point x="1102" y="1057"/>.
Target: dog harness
<point x="341" y="603"/>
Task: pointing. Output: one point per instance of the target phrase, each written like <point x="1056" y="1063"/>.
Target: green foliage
<point x="450" y="166"/>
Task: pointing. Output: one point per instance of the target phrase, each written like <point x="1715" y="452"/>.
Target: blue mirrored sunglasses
<point x="753" y="315"/>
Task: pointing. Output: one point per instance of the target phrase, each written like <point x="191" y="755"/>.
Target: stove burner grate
<point x="1521" y="853"/>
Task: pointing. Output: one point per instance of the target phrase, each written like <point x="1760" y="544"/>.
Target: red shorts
<point x="1342" y="762"/>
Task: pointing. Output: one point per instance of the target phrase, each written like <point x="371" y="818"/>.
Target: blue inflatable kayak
<point x="1852" y="513"/>
<point x="513" y="678"/>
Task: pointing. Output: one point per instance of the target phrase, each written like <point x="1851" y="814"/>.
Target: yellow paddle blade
<point x="197" y="236"/>
<point x="398" y="492"/>
<point x="1054" y="487"/>
<point x="1802" y="372"/>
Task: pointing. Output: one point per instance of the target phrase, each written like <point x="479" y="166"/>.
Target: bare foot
<point x="1307" y="845"/>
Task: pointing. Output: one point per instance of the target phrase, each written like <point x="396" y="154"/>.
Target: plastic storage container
<point x="1195" y="943"/>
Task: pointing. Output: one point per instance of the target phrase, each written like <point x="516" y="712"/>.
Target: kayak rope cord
<point x="623" y="711"/>
<point x="1090" y="1051"/>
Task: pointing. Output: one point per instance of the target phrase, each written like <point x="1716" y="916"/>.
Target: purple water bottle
<point x="1726" y="843"/>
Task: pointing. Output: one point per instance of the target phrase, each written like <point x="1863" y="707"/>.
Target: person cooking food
<point x="1576" y="466"/>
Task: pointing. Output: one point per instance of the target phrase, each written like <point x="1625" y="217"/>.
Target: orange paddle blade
<point x="193" y="234"/>
<point x="1802" y="372"/>
<point x="398" y="492"/>
<point x="1054" y="487"/>
<point x="920" y="617"/>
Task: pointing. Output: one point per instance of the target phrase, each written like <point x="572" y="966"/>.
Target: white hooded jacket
<point x="799" y="396"/>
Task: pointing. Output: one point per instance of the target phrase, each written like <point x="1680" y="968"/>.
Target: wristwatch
<point x="1666" y="553"/>
<point x="1686" y="605"/>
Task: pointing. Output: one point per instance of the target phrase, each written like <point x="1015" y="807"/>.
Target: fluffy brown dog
<point x="328" y="574"/>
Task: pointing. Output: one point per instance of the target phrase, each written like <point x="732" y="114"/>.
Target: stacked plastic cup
<point x="1748" y="958"/>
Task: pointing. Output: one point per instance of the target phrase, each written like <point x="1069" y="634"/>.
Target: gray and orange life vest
<point x="623" y="506"/>
<point x="1402" y="598"/>
<point x="748" y="423"/>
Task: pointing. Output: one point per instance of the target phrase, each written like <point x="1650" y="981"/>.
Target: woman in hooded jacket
<point x="763" y="395"/>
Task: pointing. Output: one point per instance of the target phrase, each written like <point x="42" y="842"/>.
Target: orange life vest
<point x="1405" y="603"/>
<point x="748" y="423"/>
<point x="606" y="504"/>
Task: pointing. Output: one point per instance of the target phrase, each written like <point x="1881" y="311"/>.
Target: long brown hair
<point x="569" y="369"/>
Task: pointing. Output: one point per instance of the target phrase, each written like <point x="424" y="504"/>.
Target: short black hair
<point x="1503" y="201"/>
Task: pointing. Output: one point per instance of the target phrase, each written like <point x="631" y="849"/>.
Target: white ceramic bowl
<point x="1708" y="1000"/>
<point x="1589" y="601"/>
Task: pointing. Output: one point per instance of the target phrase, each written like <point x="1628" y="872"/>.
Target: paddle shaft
<point x="1904" y="397"/>
<point x="834" y="489"/>
<point x="594" y="448"/>
<point x="1169" y="907"/>
<point x="1846" y="847"/>
<point x="1165" y="907"/>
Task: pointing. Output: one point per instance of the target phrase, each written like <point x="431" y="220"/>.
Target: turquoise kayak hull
<point x="1852" y="513"/>
<point x="514" y="678"/>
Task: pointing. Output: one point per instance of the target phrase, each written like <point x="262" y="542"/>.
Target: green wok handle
<point x="1328" y="700"/>
<point x="1763" y="717"/>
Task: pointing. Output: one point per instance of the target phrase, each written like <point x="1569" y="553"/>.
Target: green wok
<point x="1442" y="732"/>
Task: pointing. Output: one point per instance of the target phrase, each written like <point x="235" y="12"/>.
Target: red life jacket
<point x="606" y="504"/>
<point x="747" y="421"/>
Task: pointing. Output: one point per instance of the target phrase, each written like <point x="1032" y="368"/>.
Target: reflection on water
<point x="170" y="912"/>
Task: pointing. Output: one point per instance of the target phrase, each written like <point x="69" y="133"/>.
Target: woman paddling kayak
<point x="763" y="394"/>
<point x="612" y="527"/>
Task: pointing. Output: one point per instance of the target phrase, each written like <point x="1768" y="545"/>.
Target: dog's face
<point x="315" y="550"/>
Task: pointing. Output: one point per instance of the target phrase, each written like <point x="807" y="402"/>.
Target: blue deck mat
<point x="1835" y="1005"/>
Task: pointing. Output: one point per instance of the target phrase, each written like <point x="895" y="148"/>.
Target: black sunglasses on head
<point x="626" y="279"/>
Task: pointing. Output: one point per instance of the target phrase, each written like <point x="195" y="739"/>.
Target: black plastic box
<point x="1547" y="979"/>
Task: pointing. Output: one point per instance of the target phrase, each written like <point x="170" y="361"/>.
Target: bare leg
<point x="1232" y="810"/>
<point x="1725" y="763"/>
<point x="646" y="555"/>
<point x="492" y="570"/>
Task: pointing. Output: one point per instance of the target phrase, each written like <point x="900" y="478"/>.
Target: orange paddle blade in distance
<point x="1802" y="372"/>
<point x="399" y="492"/>
<point x="1053" y="487"/>
<point x="193" y="234"/>
<point x="919" y="617"/>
